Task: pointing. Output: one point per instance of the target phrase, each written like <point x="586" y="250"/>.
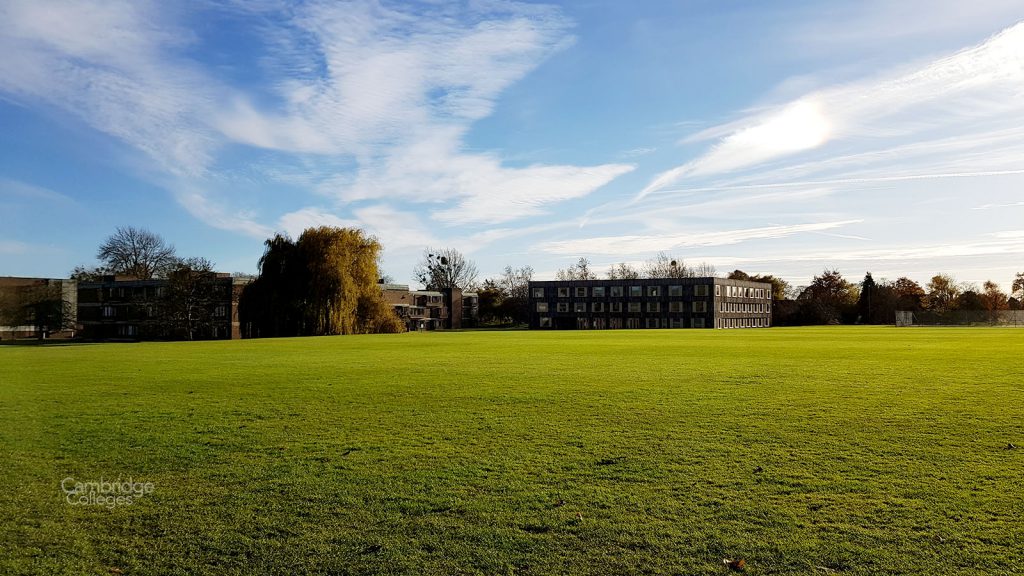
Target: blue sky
<point x="781" y="137"/>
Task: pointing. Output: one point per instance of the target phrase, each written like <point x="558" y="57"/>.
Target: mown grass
<point x="803" y="451"/>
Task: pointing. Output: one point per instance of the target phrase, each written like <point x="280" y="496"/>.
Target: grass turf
<point x="813" y="450"/>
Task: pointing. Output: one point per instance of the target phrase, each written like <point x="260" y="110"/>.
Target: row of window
<point x="744" y="307"/>
<point x="742" y="323"/>
<point x="150" y="311"/>
<point x="629" y="323"/>
<point x="699" y="290"/>
<point x="580" y="307"/>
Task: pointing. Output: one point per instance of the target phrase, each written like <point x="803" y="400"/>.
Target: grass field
<point x="802" y="451"/>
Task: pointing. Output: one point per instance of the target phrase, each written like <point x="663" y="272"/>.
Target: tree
<point x="515" y="290"/>
<point x="909" y="294"/>
<point x="136" y="252"/>
<point x="829" y="299"/>
<point x="994" y="299"/>
<point x="1017" y="289"/>
<point x="665" y="266"/>
<point x="623" y="271"/>
<point x="704" y="270"/>
<point x="942" y="293"/>
<point x="738" y="275"/>
<point x="188" y="302"/>
<point x="41" y="306"/>
<point x="324" y="283"/>
<point x="445" y="268"/>
<point x="578" y="271"/>
<point x="89" y="274"/>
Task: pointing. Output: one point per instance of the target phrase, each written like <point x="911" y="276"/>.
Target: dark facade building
<point x="125" y="308"/>
<point x="432" y="310"/>
<point x="650" y="303"/>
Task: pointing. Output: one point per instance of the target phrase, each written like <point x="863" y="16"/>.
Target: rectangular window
<point x="652" y="323"/>
<point x="718" y="290"/>
<point x="654" y="306"/>
<point x="700" y="290"/>
<point x="636" y="291"/>
<point x="598" y="291"/>
<point x="580" y="307"/>
<point x="616" y="291"/>
<point x="563" y="292"/>
<point x="220" y="311"/>
<point x="542" y="306"/>
<point x="538" y="292"/>
<point x="545" y="322"/>
<point x="634" y="306"/>
<point x="675" y="291"/>
<point x="676" y="323"/>
<point x="597" y="307"/>
<point x="562" y="307"/>
<point x="632" y="322"/>
<point x="700" y="307"/>
<point x="581" y="291"/>
<point x="654" y="290"/>
<point x="616" y="306"/>
<point x="697" y="323"/>
<point x="108" y="311"/>
<point x="615" y="323"/>
<point x="721" y="307"/>
<point x="675" y="306"/>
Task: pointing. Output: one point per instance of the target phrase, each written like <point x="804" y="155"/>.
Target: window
<point x="700" y="290"/>
<point x="616" y="306"/>
<point x="652" y="323"/>
<point x="220" y="311"/>
<point x="616" y="291"/>
<point x="563" y="292"/>
<point x="700" y="307"/>
<point x="675" y="306"/>
<point x="128" y="330"/>
<point x="654" y="306"/>
<point x="562" y="307"/>
<point x="597" y="291"/>
<point x="108" y="312"/>
<point x="538" y="292"/>
<point x="542" y="306"/>
<point x="580" y="307"/>
<point x="581" y="291"/>
<point x="676" y="323"/>
<point x="597" y="307"/>
<point x="634" y="306"/>
<point x="632" y="322"/>
<point x="615" y="323"/>
<point x="721" y="307"/>
<point x="636" y="291"/>
<point x="545" y="322"/>
<point x="697" y="323"/>
<point x="675" y="291"/>
<point x="718" y="290"/>
<point x="654" y="290"/>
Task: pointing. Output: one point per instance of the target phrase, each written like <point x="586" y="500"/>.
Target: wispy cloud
<point x="970" y="94"/>
<point x="635" y="244"/>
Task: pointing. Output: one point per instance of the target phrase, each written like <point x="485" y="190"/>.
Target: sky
<point x="774" y="137"/>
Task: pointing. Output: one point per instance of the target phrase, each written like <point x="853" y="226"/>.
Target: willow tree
<point x="324" y="283"/>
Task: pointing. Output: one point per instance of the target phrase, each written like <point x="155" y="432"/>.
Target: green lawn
<point x="803" y="451"/>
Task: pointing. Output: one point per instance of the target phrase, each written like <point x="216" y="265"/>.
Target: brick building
<point x="650" y="303"/>
<point x="432" y="310"/>
<point x="37" y="307"/>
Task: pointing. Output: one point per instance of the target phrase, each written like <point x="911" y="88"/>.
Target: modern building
<point x="126" y="308"/>
<point x="650" y="303"/>
<point x="432" y="310"/>
<point x="37" y="307"/>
